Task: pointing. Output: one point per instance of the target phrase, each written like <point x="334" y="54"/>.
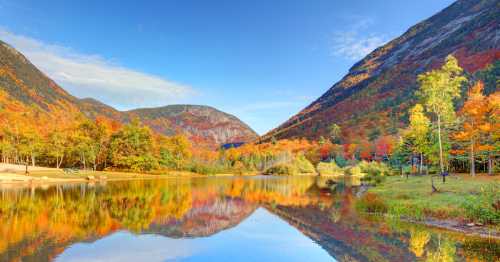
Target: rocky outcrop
<point x="202" y="124"/>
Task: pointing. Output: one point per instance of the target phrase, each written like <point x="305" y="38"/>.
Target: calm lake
<point x="215" y="219"/>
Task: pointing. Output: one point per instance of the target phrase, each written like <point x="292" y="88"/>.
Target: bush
<point x="340" y="160"/>
<point x="205" y="169"/>
<point x="376" y="172"/>
<point x="303" y="165"/>
<point x="141" y="163"/>
<point x="354" y="171"/>
<point x="372" y="203"/>
<point x="374" y="168"/>
<point x="329" y="169"/>
<point x="483" y="207"/>
<point x="282" y="169"/>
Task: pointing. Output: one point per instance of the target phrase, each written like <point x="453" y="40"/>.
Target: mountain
<point x="25" y="88"/>
<point x="201" y="123"/>
<point x="374" y="97"/>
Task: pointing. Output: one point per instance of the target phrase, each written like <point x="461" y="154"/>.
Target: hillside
<point x="203" y="124"/>
<point x="25" y="89"/>
<point x="374" y="97"/>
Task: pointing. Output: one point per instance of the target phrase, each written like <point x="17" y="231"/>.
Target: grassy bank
<point x="463" y="198"/>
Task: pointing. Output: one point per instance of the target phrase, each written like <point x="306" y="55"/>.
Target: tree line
<point x="453" y="126"/>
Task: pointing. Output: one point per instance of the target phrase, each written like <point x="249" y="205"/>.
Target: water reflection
<point x="215" y="218"/>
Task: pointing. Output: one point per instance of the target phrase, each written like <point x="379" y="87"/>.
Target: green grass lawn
<point x="413" y="197"/>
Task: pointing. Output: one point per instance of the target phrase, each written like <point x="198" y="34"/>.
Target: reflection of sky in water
<point x="262" y="235"/>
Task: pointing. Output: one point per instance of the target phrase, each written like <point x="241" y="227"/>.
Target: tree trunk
<point x="83" y="160"/>
<point x="440" y="145"/>
<point x="59" y="161"/>
<point x="33" y="160"/>
<point x="421" y="163"/>
<point x="434" y="189"/>
<point x="26" y="164"/>
<point x="472" y="162"/>
<point x="490" y="164"/>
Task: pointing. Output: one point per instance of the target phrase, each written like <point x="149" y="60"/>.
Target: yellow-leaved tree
<point x="419" y="130"/>
<point x="438" y="89"/>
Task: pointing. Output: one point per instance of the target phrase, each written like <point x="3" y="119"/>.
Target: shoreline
<point x="57" y="177"/>
<point x="456" y="226"/>
<point x="449" y="225"/>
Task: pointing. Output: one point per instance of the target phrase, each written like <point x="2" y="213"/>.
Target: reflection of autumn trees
<point x="44" y="222"/>
<point x="418" y="240"/>
<point x="63" y="214"/>
<point x="350" y="237"/>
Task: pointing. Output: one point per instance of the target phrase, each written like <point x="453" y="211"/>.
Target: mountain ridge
<point x="24" y="84"/>
<point x="386" y="78"/>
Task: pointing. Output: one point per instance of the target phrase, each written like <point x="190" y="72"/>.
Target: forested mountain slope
<point x="374" y="97"/>
<point x="27" y="95"/>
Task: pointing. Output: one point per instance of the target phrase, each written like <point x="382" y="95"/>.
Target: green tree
<point x="88" y="142"/>
<point x="58" y="142"/>
<point x="438" y="89"/>
<point x="132" y="147"/>
<point x="175" y="151"/>
<point x="31" y="145"/>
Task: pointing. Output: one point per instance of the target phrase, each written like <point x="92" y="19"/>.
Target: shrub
<point x="329" y="169"/>
<point x="205" y="169"/>
<point x="483" y="207"/>
<point x="303" y="165"/>
<point x="340" y="160"/>
<point x="374" y="168"/>
<point x="375" y="172"/>
<point x="372" y="203"/>
<point x="354" y="171"/>
<point x="141" y="163"/>
<point x="282" y="169"/>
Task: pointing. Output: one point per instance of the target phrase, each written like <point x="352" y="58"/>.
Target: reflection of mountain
<point x="37" y="225"/>
<point x="344" y="241"/>
<point x="205" y="220"/>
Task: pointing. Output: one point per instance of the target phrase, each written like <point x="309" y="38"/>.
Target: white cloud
<point x="93" y="76"/>
<point x="353" y="43"/>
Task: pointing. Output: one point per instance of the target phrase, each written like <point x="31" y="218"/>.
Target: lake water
<point x="215" y="219"/>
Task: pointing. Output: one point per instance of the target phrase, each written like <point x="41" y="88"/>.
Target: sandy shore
<point x="16" y="174"/>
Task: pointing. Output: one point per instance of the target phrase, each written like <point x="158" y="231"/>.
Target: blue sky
<point x="261" y="60"/>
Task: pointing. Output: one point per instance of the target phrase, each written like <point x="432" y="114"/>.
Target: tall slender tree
<point x="419" y="130"/>
<point x="438" y="90"/>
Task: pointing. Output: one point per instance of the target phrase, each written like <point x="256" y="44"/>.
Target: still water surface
<point x="215" y="219"/>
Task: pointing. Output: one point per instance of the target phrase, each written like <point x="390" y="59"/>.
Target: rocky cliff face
<point x="377" y="92"/>
<point x="202" y="124"/>
<point x="23" y="87"/>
